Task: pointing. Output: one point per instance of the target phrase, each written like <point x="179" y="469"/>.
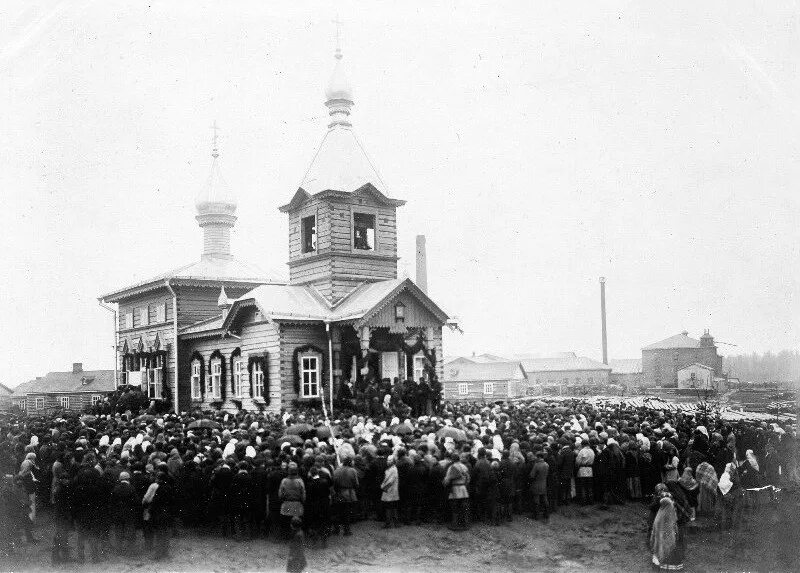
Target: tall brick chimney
<point x="603" y="317"/>
<point x="77" y="367"/>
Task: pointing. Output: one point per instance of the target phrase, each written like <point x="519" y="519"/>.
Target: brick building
<point x="662" y="360"/>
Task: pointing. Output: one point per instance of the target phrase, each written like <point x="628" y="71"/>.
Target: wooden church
<point x="218" y="333"/>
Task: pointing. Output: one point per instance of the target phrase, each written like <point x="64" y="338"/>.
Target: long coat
<point x="539" y="477"/>
<point x="390" y="485"/>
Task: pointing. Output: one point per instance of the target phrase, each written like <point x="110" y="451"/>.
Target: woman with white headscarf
<point x="664" y="538"/>
<point x="731" y="490"/>
<point x="27" y="474"/>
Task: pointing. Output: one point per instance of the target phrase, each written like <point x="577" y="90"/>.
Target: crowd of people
<point x="110" y="480"/>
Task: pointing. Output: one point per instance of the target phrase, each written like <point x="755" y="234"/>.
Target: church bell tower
<point x="342" y="225"/>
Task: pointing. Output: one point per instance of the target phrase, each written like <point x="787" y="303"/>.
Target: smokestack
<point x="77" y="367"/>
<point x="603" y="317"/>
<point x="422" y="264"/>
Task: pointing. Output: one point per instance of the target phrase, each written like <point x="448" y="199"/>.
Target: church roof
<point x="207" y="269"/>
<point x="681" y="340"/>
<point x="340" y="164"/>
<point x="304" y="304"/>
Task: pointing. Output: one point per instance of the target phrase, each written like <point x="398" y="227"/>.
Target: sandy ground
<point x="575" y="539"/>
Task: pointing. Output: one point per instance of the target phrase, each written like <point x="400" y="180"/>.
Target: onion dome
<point x="339" y="94"/>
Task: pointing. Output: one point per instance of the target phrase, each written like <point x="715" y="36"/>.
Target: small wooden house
<point x="484" y="381"/>
<point x="66" y="391"/>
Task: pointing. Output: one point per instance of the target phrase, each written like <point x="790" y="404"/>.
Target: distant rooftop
<point x="69" y="382"/>
<point x="626" y="365"/>
<point x="682" y="340"/>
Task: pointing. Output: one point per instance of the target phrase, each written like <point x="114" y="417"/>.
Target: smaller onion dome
<point x="215" y="196"/>
<point x="339" y="85"/>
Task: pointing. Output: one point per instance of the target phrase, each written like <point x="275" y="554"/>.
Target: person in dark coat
<point x="565" y="463"/>
<point x="62" y="518"/>
<point x="505" y="487"/>
<point x="258" y="501"/>
<point x="124" y="508"/>
<point x="345" y="485"/>
<point x="318" y="505"/>
<point x="219" y="505"/>
<point x="404" y="466"/>
<point x="416" y="489"/>
<point x="158" y="502"/>
<point x="87" y="502"/>
<point x="538" y="484"/>
<point x="241" y="498"/>
<point x="274" y="478"/>
<point x="479" y="481"/>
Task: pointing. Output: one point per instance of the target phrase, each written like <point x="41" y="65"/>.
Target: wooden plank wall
<point x="257" y="337"/>
<point x="77" y="400"/>
<point x="291" y="337"/>
<point x="450" y="391"/>
<point x="416" y="314"/>
<point x="200" y="303"/>
<point x="151" y="299"/>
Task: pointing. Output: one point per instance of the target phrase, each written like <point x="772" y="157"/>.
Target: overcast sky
<point x="539" y="146"/>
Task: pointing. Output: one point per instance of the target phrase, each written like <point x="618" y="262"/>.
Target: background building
<point x="626" y="372"/>
<point x="5" y="398"/>
<point x="483" y="382"/>
<point x="662" y="360"/>
<point x="566" y="373"/>
<point x="64" y="391"/>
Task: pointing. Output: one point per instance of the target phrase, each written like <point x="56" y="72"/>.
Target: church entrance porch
<point x="380" y="369"/>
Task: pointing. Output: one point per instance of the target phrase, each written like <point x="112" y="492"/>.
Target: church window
<point x="237" y="378"/>
<point x="65" y="402"/>
<point x="309" y="375"/>
<point x="144" y="316"/>
<point x="488" y="387"/>
<point x="308" y="233"/>
<point x="216" y="378"/>
<point x="155" y="378"/>
<point x="161" y="312"/>
<point x="258" y="379"/>
<point x="463" y="389"/>
<point x="128" y="320"/>
<point x="196" y="380"/>
<point x="364" y="231"/>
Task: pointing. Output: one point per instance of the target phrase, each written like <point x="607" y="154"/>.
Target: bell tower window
<point x="364" y="231"/>
<point x="308" y="233"/>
